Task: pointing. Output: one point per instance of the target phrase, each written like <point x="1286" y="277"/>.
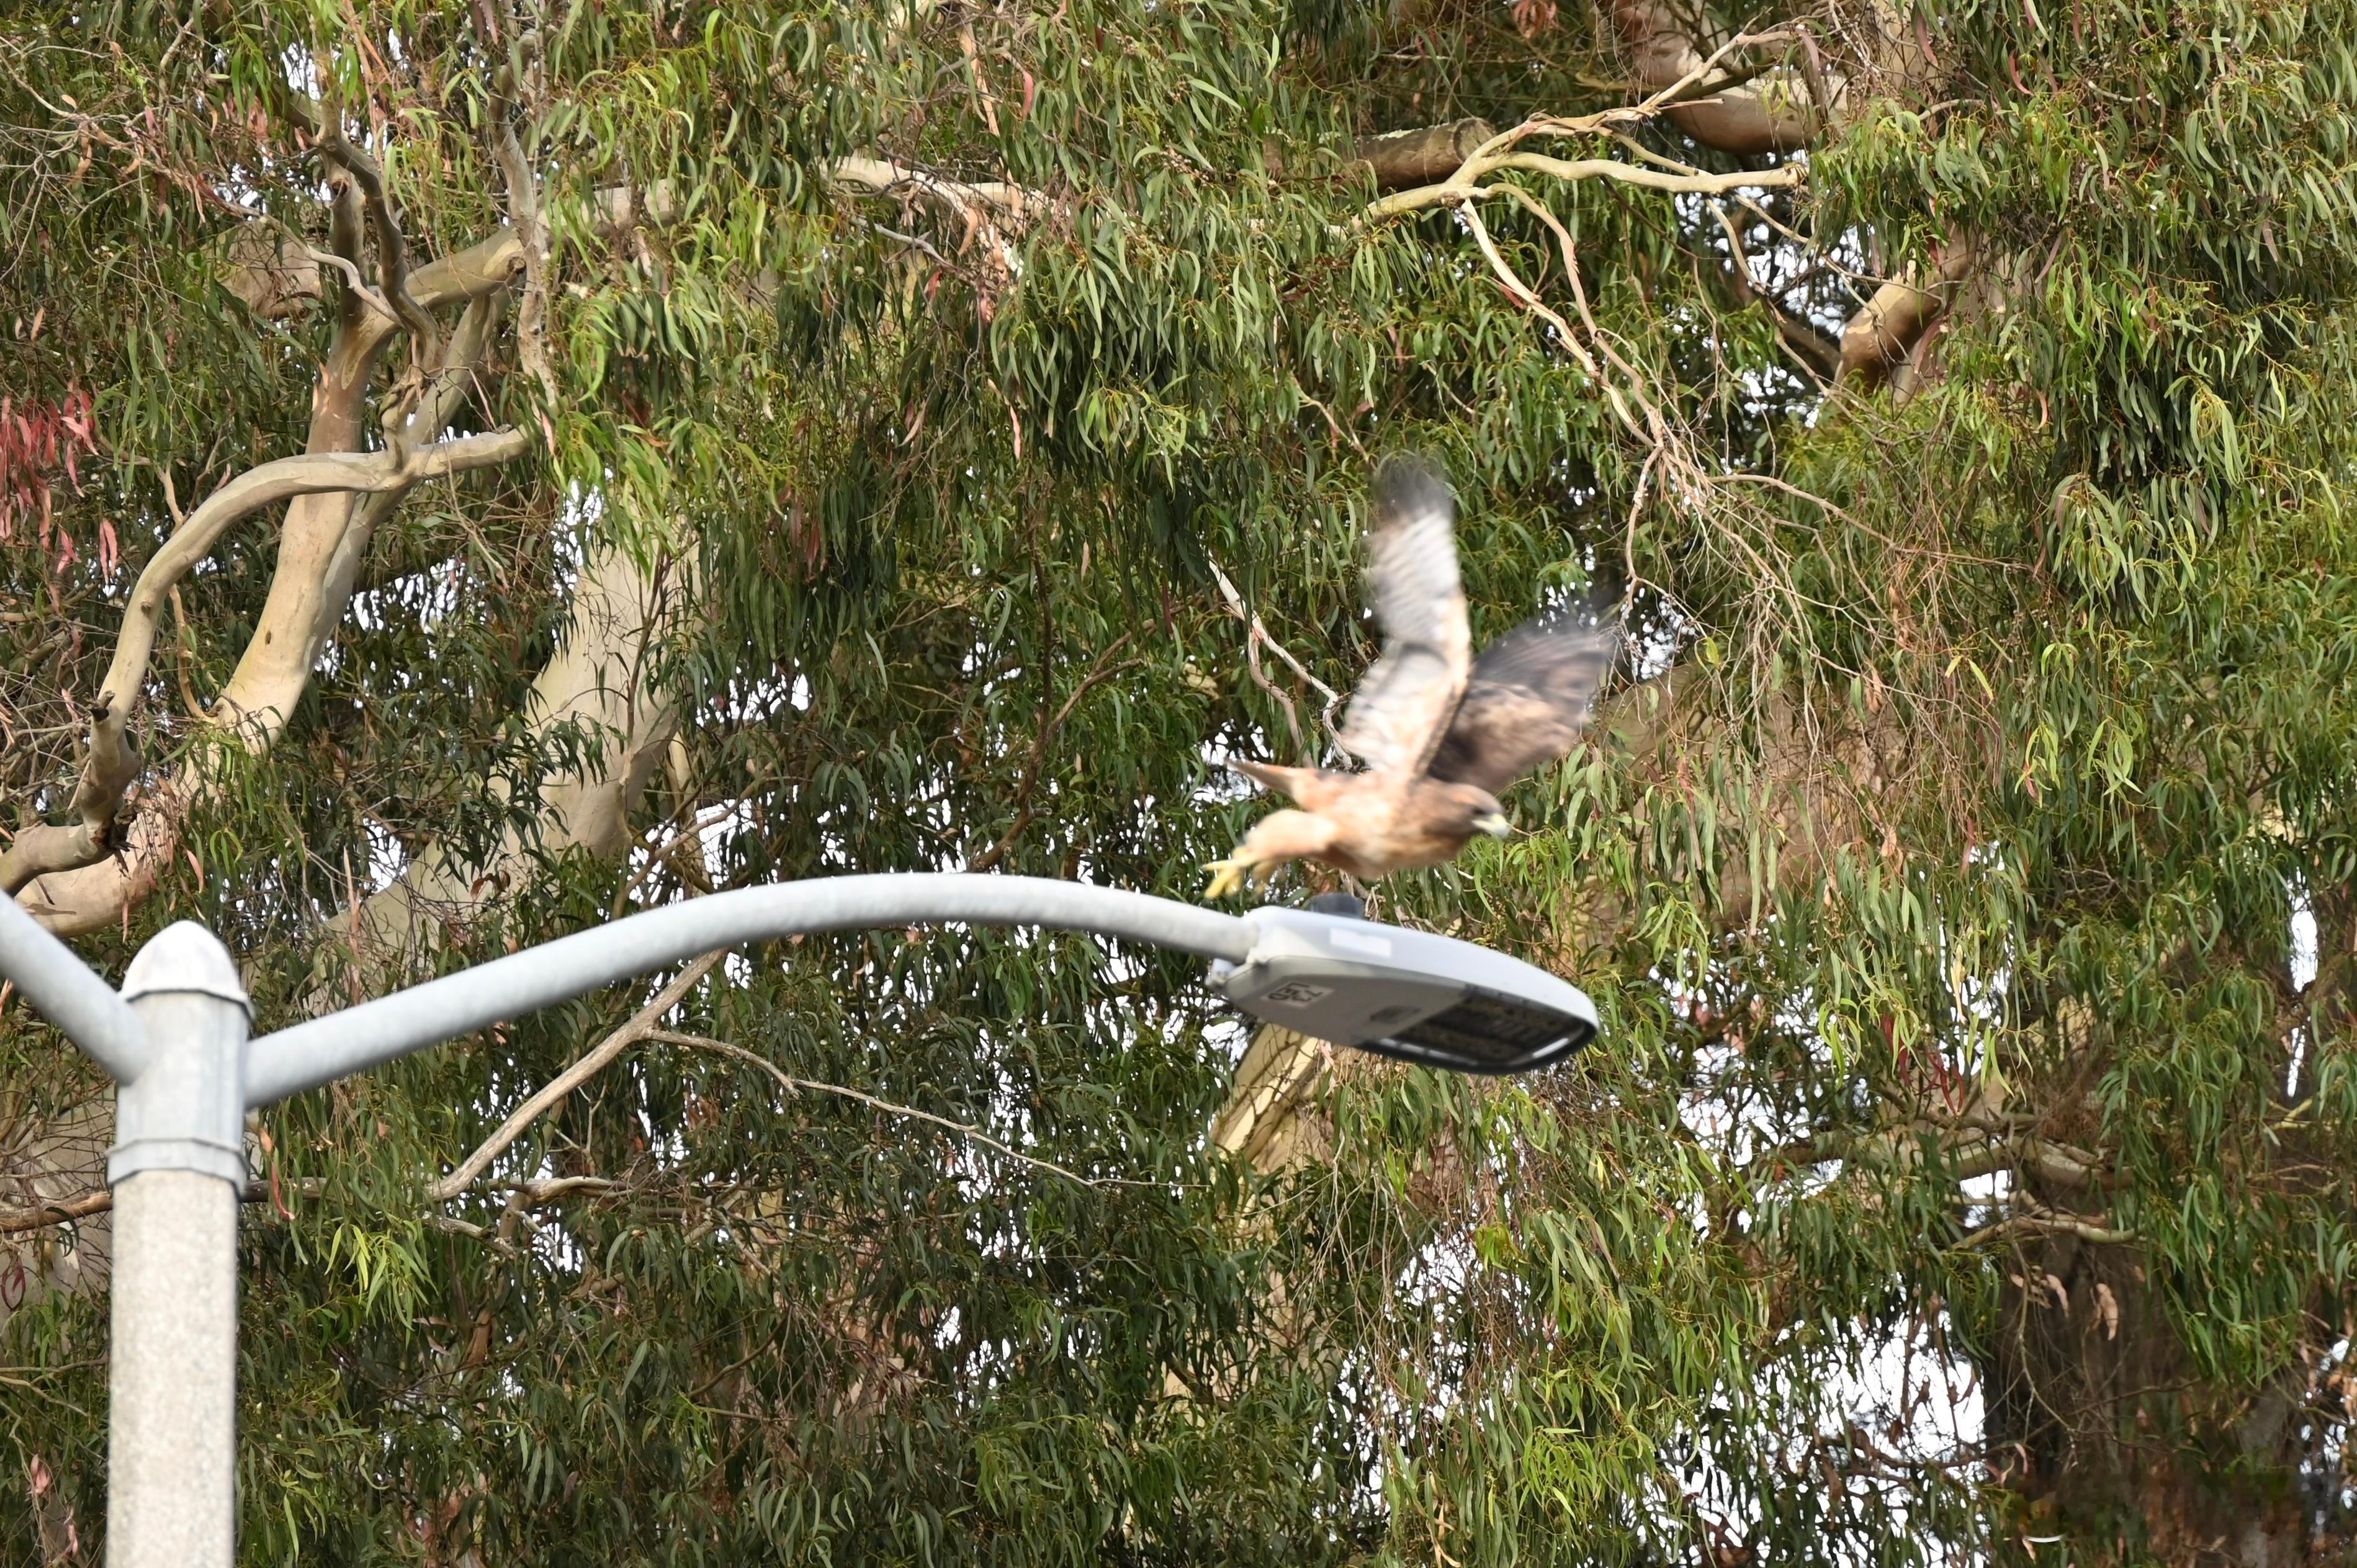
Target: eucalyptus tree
<point x="469" y="470"/>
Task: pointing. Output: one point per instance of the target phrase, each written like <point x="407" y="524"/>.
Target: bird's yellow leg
<point x="1233" y="874"/>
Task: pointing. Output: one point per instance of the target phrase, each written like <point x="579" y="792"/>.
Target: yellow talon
<point x="1228" y="876"/>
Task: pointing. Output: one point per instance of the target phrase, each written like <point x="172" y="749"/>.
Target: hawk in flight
<point x="1440" y="732"/>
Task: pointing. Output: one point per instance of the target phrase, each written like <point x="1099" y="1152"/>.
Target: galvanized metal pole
<point x="177" y="1168"/>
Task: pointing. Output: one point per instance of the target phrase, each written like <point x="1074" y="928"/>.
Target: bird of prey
<point x="1440" y="732"/>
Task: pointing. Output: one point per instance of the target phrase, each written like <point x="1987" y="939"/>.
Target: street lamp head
<point x="175" y="1043"/>
<point x="1410" y="994"/>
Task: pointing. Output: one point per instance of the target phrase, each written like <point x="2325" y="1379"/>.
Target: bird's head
<point x="1483" y="815"/>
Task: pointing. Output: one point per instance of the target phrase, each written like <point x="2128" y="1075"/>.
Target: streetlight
<point x="174" y="1041"/>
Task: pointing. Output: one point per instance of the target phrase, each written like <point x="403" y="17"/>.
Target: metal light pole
<point x="174" y="1043"/>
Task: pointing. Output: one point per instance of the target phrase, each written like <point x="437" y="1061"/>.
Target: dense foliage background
<point x="929" y="436"/>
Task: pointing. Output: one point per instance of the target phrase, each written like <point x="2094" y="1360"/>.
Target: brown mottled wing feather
<point x="1527" y="701"/>
<point x="1401" y="709"/>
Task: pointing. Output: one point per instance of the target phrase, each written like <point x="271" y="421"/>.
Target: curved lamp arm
<point x="66" y="992"/>
<point x="324" y="1049"/>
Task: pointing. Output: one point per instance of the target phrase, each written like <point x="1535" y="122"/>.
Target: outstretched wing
<point x="1527" y="701"/>
<point x="1401" y="709"/>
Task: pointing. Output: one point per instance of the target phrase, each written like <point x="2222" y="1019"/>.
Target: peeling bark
<point x="1426" y="156"/>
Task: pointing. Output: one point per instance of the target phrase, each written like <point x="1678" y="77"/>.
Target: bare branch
<point x="531" y="226"/>
<point x="353" y="280"/>
<point x="468" y="274"/>
<point x="100" y="1200"/>
<point x="108" y="770"/>
<point x="1817" y="352"/>
<point x="44" y="1214"/>
<point x="885" y="177"/>
<point x="392" y="251"/>
<point x="1263" y="1119"/>
<point x="313" y="473"/>
<point x="444" y="392"/>
<point x="2046" y="1223"/>
<point x="1733" y="116"/>
<point x="1460" y="187"/>
<point x="1879" y="339"/>
<point x="795" y="1085"/>
<point x="640" y="1026"/>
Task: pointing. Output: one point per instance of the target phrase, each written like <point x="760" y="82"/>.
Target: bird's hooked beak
<point x="1495" y="824"/>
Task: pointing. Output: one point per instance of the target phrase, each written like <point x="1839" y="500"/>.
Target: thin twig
<point x="640" y="1026"/>
<point x="368" y="295"/>
<point x="1252" y="619"/>
<point x="795" y="1085"/>
<point x="1258" y="638"/>
<point x="59" y="1213"/>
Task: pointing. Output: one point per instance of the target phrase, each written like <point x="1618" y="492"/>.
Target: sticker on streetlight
<point x="1297" y="993"/>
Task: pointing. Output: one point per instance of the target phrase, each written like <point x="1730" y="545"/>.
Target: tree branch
<point x="1731" y="115"/>
<point x="392" y="251"/>
<point x="109" y="767"/>
<point x="113" y="764"/>
<point x="888" y="177"/>
<point x="794" y="1085"/>
<point x="531" y="228"/>
<point x="468" y="274"/>
<point x="1403" y="158"/>
<point x="40" y="1215"/>
<point x="1879" y="339"/>
<point x="600" y="681"/>
<point x="100" y="1200"/>
<point x="439" y="403"/>
<point x="640" y="1026"/>
<point x="352" y="280"/>
<point x="1814" y="348"/>
<point x="2046" y="1223"/>
<point x="312" y="473"/>
<point x="1460" y="187"/>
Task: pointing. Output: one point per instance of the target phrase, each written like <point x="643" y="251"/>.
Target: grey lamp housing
<point x="1422" y="998"/>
